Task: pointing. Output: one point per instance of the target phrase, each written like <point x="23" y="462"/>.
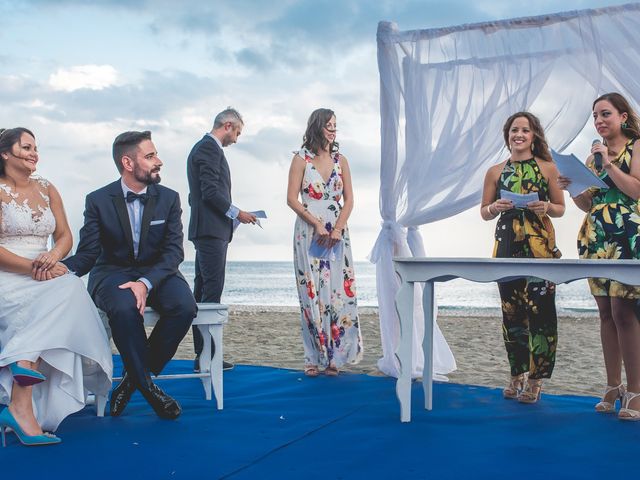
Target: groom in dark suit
<point x="131" y="242"/>
<point x="212" y="213"/>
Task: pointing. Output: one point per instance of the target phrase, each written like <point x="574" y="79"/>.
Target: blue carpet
<point x="280" y="424"/>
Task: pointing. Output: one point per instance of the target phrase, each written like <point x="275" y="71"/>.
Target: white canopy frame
<point x="444" y="96"/>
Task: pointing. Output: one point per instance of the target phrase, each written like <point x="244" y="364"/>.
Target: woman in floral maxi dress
<point x="320" y="177"/>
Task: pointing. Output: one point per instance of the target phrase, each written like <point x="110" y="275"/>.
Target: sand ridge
<point x="270" y="336"/>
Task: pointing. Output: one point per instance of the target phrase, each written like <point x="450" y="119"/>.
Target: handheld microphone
<point x="597" y="157"/>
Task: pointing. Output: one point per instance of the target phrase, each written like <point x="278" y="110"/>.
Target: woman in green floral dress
<point x="611" y="230"/>
<point x="529" y="317"/>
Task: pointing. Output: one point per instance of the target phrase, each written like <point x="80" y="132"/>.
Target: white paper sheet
<point x="575" y="170"/>
<point x="519" y="200"/>
<point x="257" y="213"/>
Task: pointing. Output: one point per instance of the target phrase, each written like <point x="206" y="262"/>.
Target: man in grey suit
<point x="212" y="213"/>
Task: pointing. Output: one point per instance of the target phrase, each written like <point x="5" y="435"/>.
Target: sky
<point x="80" y="72"/>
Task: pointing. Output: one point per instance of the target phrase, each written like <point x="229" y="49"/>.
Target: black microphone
<point x="597" y="157"/>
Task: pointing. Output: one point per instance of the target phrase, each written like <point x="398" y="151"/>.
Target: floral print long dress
<point x="326" y="288"/>
<point x="611" y="229"/>
<point x="529" y="319"/>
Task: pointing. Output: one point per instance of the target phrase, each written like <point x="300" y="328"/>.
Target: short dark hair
<point x="8" y="138"/>
<point x="314" y="139"/>
<point x="126" y="143"/>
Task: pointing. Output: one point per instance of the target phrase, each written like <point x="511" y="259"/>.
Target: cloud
<point x="152" y="96"/>
<point x="180" y="63"/>
<point x="90" y="77"/>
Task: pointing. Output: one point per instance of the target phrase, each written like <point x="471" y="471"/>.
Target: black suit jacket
<point x="209" y="191"/>
<point x="106" y="241"/>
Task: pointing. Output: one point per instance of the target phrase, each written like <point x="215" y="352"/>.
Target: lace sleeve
<point x="5" y="198"/>
<point x="43" y="188"/>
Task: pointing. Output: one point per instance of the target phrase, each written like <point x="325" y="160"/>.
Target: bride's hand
<point x="46" y="260"/>
<point x="40" y="274"/>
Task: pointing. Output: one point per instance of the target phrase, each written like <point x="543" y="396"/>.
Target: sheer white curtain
<point x="444" y="96"/>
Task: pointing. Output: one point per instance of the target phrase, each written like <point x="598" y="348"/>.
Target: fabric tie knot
<point x="143" y="197"/>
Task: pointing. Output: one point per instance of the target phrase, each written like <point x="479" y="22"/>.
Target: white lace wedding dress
<point x="53" y="320"/>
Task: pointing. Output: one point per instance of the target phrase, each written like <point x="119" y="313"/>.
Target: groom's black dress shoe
<point x="121" y="395"/>
<point x="225" y="365"/>
<point x="165" y="406"/>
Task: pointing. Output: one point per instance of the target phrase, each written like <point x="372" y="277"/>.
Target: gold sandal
<point x="604" y="406"/>
<point x="332" y="371"/>
<point x="516" y="385"/>
<point x="627" y="413"/>
<point x="532" y="391"/>
<point x="311" y="371"/>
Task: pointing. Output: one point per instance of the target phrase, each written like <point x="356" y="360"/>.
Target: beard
<point x="146" y="177"/>
<point x="227" y="140"/>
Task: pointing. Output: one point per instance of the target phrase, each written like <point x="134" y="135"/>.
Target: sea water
<point x="273" y="284"/>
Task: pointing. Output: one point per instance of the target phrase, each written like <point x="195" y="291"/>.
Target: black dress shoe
<point x="121" y="395"/>
<point x="164" y="405"/>
<point x="225" y="365"/>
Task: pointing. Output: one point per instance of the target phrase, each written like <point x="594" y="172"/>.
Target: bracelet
<point x="489" y="210"/>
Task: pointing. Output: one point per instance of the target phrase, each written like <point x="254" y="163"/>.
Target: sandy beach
<point x="271" y="336"/>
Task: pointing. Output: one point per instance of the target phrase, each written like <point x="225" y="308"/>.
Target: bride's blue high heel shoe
<point x="7" y="421"/>
<point x="25" y="377"/>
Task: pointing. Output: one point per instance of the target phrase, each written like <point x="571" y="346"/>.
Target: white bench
<point x="431" y="270"/>
<point x="210" y="321"/>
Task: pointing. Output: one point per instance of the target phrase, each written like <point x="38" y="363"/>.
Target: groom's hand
<point x="58" y="270"/>
<point x="139" y="291"/>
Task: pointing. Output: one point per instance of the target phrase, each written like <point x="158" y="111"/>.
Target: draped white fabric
<point x="444" y="96"/>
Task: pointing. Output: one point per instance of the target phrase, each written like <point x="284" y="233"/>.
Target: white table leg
<point x="101" y="404"/>
<point x="404" y="307"/>
<point x="215" y="332"/>
<point x="205" y="355"/>
<point x="427" y="344"/>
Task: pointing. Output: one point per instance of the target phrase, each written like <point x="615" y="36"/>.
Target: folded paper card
<point x="257" y="213"/>
<point x="323" y="252"/>
<point x="575" y="170"/>
<point x="519" y="200"/>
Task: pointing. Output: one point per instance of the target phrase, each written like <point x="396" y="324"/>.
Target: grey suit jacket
<point x="209" y="191"/>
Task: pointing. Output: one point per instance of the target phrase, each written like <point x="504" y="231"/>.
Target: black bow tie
<point x="143" y="197"/>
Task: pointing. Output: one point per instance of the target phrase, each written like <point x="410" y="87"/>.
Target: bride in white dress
<point x="53" y="346"/>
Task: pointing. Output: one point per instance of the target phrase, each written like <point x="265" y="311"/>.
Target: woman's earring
<point x="624" y="125"/>
<point x="532" y="147"/>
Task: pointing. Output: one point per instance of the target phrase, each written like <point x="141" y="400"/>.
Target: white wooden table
<point x="210" y="321"/>
<point x="430" y="270"/>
